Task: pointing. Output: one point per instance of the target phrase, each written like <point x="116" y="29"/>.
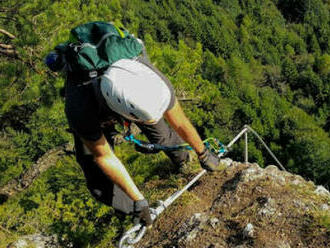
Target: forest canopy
<point x="262" y="63"/>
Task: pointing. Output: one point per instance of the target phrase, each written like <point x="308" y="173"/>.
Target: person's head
<point x="55" y="61"/>
<point x="134" y="91"/>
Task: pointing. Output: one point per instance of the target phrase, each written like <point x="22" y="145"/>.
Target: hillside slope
<point x="246" y="206"/>
<point x="242" y="206"/>
<point x="261" y="63"/>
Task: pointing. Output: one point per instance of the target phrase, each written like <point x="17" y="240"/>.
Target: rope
<point x="211" y="143"/>
<point x="267" y="148"/>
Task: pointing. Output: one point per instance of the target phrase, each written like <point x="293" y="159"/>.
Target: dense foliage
<point x="262" y="63"/>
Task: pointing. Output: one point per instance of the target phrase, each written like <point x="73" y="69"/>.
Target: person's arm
<point x="182" y="125"/>
<point x="112" y="167"/>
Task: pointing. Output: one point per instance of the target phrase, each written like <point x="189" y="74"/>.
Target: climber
<point x="133" y="90"/>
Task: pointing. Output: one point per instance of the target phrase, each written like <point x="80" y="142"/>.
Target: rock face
<point x="242" y="206"/>
<point x="35" y="241"/>
<point x="246" y="206"/>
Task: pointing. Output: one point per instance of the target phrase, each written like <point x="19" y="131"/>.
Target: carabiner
<point x="132" y="236"/>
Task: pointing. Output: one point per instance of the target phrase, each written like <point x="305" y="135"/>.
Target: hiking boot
<point x="189" y="166"/>
<point x="210" y="161"/>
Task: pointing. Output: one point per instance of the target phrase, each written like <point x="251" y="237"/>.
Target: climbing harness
<point x="135" y="234"/>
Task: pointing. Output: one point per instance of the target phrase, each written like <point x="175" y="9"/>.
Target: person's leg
<point x="162" y="134"/>
<point x="98" y="184"/>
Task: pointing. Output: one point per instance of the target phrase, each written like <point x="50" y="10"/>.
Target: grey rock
<point x="191" y="228"/>
<point x="192" y="235"/>
<point x="226" y="162"/>
<point x="278" y="176"/>
<point x="300" y="204"/>
<point x="281" y="180"/>
<point x="19" y="244"/>
<point x="282" y="244"/>
<point x="286" y="174"/>
<point x="320" y="190"/>
<point x="197" y="218"/>
<point x="298" y="178"/>
<point x="214" y="222"/>
<point x="296" y="182"/>
<point x="266" y="212"/>
<point x="248" y="231"/>
<point x="268" y="209"/>
<point x="325" y="207"/>
<point x="271" y="169"/>
<point x="37" y="241"/>
<point x="254" y="172"/>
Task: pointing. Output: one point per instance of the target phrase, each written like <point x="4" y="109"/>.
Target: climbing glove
<point x="142" y="212"/>
<point x="209" y="161"/>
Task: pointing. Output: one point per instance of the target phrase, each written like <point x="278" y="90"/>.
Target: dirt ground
<point x="236" y="209"/>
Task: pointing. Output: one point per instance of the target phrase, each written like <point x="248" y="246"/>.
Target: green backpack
<point x="94" y="46"/>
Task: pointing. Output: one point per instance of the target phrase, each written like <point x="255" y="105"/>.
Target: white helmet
<point x="135" y="91"/>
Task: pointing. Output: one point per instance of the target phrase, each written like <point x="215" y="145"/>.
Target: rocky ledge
<point x="242" y="206"/>
<point x="246" y="206"/>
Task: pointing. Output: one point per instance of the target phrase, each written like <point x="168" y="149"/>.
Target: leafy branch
<point x="8" y="49"/>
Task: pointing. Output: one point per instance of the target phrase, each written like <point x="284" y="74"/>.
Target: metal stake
<point x="246" y="148"/>
<point x="264" y="144"/>
<point x="245" y="129"/>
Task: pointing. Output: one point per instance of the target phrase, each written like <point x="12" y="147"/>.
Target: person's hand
<point x="142" y="212"/>
<point x="209" y="161"/>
